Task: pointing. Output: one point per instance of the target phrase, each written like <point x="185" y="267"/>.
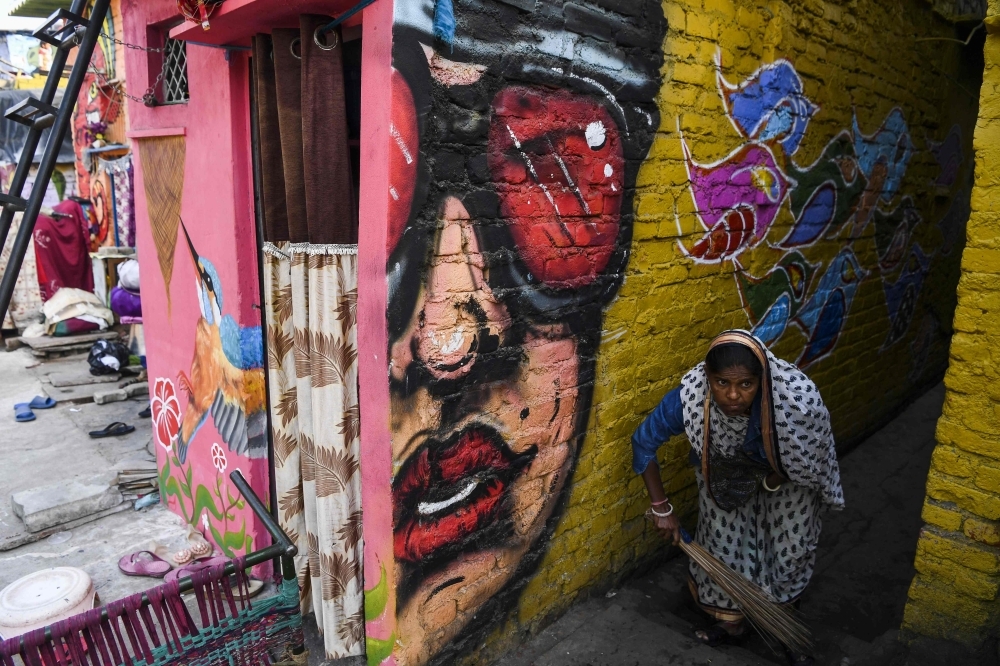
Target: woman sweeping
<point x="765" y="464"/>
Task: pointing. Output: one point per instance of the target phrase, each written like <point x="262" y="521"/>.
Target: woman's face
<point x="479" y="464"/>
<point x="733" y="389"/>
<point x="486" y="399"/>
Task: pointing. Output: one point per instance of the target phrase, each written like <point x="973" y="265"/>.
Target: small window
<point x="175" y="76"/>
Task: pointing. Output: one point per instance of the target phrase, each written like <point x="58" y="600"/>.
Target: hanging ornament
<point x="198" y="11"/>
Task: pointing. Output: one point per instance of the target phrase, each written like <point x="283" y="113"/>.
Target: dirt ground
<point x="854" y="603"/>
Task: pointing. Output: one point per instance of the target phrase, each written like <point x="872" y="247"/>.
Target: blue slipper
<point x="42" y="402"/>
<point x="23" y="413"/>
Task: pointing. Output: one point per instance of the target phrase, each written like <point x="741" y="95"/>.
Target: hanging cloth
<point x="61" y="255"/>
<point x="269" y="142"/>
<point x="288" y="90"/>
<point x="330" y="207"/>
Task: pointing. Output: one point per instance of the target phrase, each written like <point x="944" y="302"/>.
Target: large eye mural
<point x="515" y="144"/>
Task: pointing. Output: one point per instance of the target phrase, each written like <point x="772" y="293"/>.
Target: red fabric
<point x="61" y="251"/>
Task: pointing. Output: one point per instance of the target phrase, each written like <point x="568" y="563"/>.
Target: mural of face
<point x="516" y="237"/>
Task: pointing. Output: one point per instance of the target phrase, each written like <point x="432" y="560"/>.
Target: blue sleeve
<point x="663" y="423"/>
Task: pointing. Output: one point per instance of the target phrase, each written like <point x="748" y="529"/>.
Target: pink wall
<point x="216" y="207"/>
<point x="376" y="450"/>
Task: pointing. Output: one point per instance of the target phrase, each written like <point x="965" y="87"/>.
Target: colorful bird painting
<point x="949" y="156"/>
<point x="769" y="106"/>
<point x="822" y="317"/>
<point x="227" y="376"/>
<point x="901" y="296"/>
<point x="826" y="192"/>
<point x="884" y="155"/>
<point x="736" y="199"/>
<point x="892" y="233"/>
<point x="771" y="301"/>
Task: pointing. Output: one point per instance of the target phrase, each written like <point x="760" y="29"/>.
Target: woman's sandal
<point x="717" y="635"/>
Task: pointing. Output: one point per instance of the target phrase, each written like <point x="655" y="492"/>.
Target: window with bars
<point x="175" y="76"/>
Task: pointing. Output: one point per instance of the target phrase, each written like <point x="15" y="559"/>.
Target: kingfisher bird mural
<point x="227" y="372"/>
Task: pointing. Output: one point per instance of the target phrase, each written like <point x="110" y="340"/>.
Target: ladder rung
<point x="32" y="112"/>
<point x="16" y="204"/>
<point x="60" y="28"/>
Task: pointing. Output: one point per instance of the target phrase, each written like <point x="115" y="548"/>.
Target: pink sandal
<point x="144" y="563"/>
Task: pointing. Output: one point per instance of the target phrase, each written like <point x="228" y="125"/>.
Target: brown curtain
<point x="310" y="220"/>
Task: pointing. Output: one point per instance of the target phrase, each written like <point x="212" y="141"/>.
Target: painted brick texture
<point x="598" y="188"/>
<point x="954" y="594"/>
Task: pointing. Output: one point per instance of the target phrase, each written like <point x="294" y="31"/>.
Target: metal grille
<point x="175" y="75"/>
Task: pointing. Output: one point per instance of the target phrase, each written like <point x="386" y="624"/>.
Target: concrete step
<point x="59" y="503"/>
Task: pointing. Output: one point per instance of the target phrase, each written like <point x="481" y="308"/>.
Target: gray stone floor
<point x="854" y="604"/>
<point x="55" y="447"/>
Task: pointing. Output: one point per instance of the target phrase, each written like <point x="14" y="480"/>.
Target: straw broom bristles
<point x="758" y="607"/>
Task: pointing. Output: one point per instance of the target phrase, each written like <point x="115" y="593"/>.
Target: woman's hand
<point x="668" y="527"/>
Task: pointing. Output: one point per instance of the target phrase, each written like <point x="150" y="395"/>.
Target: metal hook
<point x="325" y="47"/>
<point x="291" y="48"/>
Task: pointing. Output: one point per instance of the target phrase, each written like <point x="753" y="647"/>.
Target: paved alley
<point x="55" y="448"/>
<point x="854" y="603"/>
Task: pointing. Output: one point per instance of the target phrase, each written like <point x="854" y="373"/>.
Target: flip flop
<point x="113" y="429"/>
<point x="193" y="566"/>
<point x="146" y="413"/>
<point x="144" y="563"/>
<point x="42" y="402"/>
<point x="23" y="413"/>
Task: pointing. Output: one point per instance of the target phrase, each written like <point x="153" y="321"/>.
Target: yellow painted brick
<point x="974" y="584"/>
<point x="940" y="516"/>
<point x="959" y="550"/>
<point x="982" y="531"/>
<point x="700" y="25"/>
<point x="988" y="478"/>
<point x="951" y="462"/>
<point x="943" y="600"/>
<point x="949" y="489"/>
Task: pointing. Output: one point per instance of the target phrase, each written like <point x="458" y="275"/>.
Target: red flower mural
<point x="166" y="412"/>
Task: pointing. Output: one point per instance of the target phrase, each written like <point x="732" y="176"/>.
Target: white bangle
<point x="662" y="515"/>
<point x="769" y="488"/>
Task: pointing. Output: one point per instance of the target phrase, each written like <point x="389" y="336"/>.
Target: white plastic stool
<point x="44" y="597"/>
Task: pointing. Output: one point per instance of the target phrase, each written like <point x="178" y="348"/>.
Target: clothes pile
<point x="125" y="299"/>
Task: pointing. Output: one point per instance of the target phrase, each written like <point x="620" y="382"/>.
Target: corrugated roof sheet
<point x="38" y="8"/>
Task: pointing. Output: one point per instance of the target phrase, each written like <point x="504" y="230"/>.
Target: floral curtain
<point x="311" y="313"/>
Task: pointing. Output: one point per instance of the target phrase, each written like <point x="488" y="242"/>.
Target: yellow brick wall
<point x="861" y="58"/>
<point x="954" y="594"/>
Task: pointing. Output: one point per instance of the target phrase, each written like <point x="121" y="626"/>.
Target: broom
<point x="760" y="609"/>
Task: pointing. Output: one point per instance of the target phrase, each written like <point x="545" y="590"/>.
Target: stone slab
<point x="10" y="539"/>
<point x="47" y="506"/>
<point x="137" y="390"/>
<point x="80" y="377"/>
<point x="51" y="342"/>
<point x="116" y="395"/>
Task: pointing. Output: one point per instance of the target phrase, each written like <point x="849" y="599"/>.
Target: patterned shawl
<point x="799" y="429"/>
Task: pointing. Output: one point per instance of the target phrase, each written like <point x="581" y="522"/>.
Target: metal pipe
<point x="35" y="135"/>
<point x="261" y="511"/>
<point x="48" y="163"/>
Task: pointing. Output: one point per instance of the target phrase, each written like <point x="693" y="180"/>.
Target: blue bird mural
<point x="226" y="379"/>
<point x="822" y="317"/>
<point x="901" y="296"/>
